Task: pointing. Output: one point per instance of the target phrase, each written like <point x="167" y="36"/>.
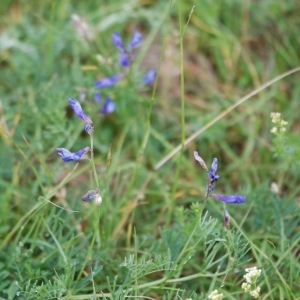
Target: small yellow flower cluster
<point x="280" y="124"/>
<point x="215" y="295"/>
<point x="251" y="277"/>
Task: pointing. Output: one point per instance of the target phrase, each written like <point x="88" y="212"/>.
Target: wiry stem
<point x="93" y="162"/>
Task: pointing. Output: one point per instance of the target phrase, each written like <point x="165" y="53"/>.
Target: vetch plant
<point x="68" y="156"/>
<point x="213" y="178"/>
<point x="126" y="57"/>
<point x="210" y="187"/>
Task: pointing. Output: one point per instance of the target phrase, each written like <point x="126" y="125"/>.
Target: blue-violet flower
<point x="91" y="195"/>
<point x="108" y="81"/>
<point x="67" y="156"/>
<point x="75" y="105"/>
<point x="126" y="54"/>
<point x="117" y="41"/>
<point x="212" y="177"/>
<point x="97" y="97"/>
<point x="235" y="199"/>
<point x="108" y="107"/>
<point x="135" y="41"/>
<point x="212" y="172"/>
<point x="124" y="59"/>
<point x="150" y="77"/>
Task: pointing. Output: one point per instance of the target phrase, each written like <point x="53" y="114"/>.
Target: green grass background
<point x="155" y="235"/>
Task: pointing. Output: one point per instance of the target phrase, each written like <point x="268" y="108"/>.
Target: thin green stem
<point x="93" y="162"/>
<point x="182" y="93"/>
<point x="182" y="118"/>
<point x="96" y="234"/>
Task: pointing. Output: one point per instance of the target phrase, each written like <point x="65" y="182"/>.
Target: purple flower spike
<point x="75" y="105"/>
<point x="136" y="40"/>
<point x="235" y="199"/>
<point x="108" y="81"/>
<point x="108" y="107"/>
<point x="67" y="156"/>
<point x="150" y="77"/>
<point x="117" y="41"/>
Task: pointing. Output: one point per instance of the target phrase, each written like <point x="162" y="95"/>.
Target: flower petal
<point x="91" y="195"/>
<point x="212" y="172"/>
<point x="136" y="40"/>
<point x="200" y="160"/>
<point x="67" y="156"/>
<point x="150" y="77"/>
<point x="214" y="166"/>
<point x="75" y="105"/>
<point x="124" y="59"/>
<point x="117" y="41"/>
<point x="97" y="97"/>
<point x="108" y="81"/>
<point x="108" y="107"/>
<point x="236" y="199"/>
